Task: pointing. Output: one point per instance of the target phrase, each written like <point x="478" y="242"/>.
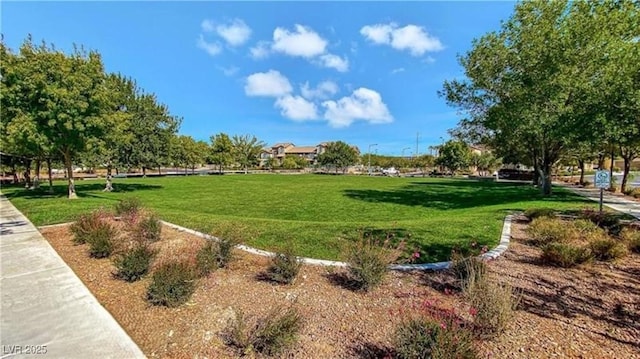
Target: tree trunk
<point x="109" y="169"/>
<point x="144" y="171"/>
<point x="50" y="173"/>
<point x="581" y="164"/>
<point x="117" y="171"/>
<point x="612" y="187"/>
<point x="27" y="174"/>
<point x="628" y="155"/>
<point x="36" y="178"/>
<point x="159" y="170"/>
<point x="68" y="166"/>
<point x="15" y="172"/>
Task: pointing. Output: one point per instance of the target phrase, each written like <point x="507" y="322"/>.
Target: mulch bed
<point x="588" y="312"/>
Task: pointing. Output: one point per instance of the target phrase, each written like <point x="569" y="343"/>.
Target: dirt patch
<point x="588" y="312"/>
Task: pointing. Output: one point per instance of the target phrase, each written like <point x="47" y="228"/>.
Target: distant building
<point x="282" y="149"/>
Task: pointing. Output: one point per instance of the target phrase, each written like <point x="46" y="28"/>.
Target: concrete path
<point x="46" y="311"/>
<point x="616" y="202"/>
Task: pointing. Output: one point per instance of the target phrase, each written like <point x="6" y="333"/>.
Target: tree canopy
<point x="338" y="154"/>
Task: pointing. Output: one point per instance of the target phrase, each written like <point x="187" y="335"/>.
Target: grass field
<point x="318" y="214"/>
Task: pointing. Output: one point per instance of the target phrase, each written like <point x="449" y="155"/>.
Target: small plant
<point x="134" y="264"/>
<point x="632" y="238"/>
<point x="128" y="207"/>
<point x="225" y="251"/>
<point x="437" y="334"/>
<point x="585" y="227"/>
<point x="148" y="229"/>
<point x="86" y="224"/>
<point x="172" y="284"/>
<point x="207" y="258"/>
<point x="492" y="306"/>
<point x="547" y="230"/>
<point x="270" y="335"/>
<point x="101" y="240"/>
<point x="284" y="267"/>
<point x="565" y="255"/>
<point x="608" y="249"/>
<point x="368" y="262"/>
<point x="533" y="213"/>
<point x="633" y="192"/>
<point x="467" y="269"/>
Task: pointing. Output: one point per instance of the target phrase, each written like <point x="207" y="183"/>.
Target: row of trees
<point x="559" y="80"/>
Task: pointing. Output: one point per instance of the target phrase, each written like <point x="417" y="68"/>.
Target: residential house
<point x="280" y="150"/>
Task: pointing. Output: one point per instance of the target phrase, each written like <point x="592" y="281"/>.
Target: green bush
<point x="547" y="230"/>
<point x="284" y="267"/>
<point x="493" y="306"/>
<point x="633" y="192"/>
<point x="127" y="207"/>
<point x="86" y="224"/>
<point x="368" y="263"/>
<point x="608" y="249"/>
<point x="431" y="338"/>
<point x="172" y="284"/>
<point x="134" y="264"/>
<point x="270" y="335"/>
<point x="565" y="255"/>
<point x="632" y="238"/>
<point x="225" y="248"/>
<point x="207" y="258"/>
<point x="533" y="213"/>
<point x="101" y="240"/>
<point x="148" y="229"/>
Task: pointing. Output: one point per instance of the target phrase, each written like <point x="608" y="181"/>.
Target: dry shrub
<point x="86" y="224"/>
<point x="608" y="221"/>
<point x="134" y="263"/>
<point x="608" y="249"/>
<point x="148" y="228"/>
<point x="632" y="238"/>
<point x="545" y="230"/>
<point x="533" y="213"/>
<point x="172" y="284"/>
<point x="492" y="306"/>
<point x="128" y="207"/>
<point x="284" y="267"/>
<point x="566" y="255"/>
<point x="467" y="269"/>
<point x="368" y="261"/>
<point x="269" y="335"/>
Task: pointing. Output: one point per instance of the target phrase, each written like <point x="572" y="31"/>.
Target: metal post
<point x="601" y="195"/>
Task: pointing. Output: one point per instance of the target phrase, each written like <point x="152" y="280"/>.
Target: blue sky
<point x="302" y="72"/>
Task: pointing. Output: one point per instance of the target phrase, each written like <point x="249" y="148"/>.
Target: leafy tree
<point x="294" y="162"/>
<point x="454" y="155"/>
<point x="540" y="83"/>
<point x="221" y="150"/>
<point x="485" y="162"/>
<point x="246" y="149"/>
<point x="338" y="154"/>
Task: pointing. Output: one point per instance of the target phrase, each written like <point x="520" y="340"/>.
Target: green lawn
<point x="319" y="214"/>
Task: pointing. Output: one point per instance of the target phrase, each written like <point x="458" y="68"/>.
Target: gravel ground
<point x="589" y="312"/>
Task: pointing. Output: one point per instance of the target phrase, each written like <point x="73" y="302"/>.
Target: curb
<point x="492" y="254"/>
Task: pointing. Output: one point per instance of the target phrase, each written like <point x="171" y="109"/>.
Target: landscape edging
<point x="492" y="254"/>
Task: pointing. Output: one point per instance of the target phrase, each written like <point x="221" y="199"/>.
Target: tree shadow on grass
<point x="82" y="190"/>
<point x="460" y="194"/>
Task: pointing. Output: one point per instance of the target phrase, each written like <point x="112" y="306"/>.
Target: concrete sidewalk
<point x="618" y="203"/>
<point x="46" y="311"/>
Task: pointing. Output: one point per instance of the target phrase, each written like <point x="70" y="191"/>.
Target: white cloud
<point x="412" y="38"/>
<point x="324" y="90"/>
<point x="207" y="26"/>
<point x="269" y="84"/>
<point x="260" y="51"/>
<point x="235" y="32"/>
<point x="228" y="71"/>
<point x="335" y="62"/>
<point x="303" y="41"/>
<point x="363" y="104"/>
<point x="296" y="108"/>
<point x="212" y="48"/>
<point x="398" y="70"/>
<point x="429" y="60"/>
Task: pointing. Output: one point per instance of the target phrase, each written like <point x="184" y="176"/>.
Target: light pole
<point x="369" y="151"/>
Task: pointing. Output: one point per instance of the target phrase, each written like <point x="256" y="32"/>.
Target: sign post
<point x="602" y="180"/>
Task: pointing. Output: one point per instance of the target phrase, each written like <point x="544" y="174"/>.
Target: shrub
<point x="148" y="229"/>
<point x="440" y="338"/>
<point x="368" y="262"/>
<point x="632" y="238"/>
<point x="585" y="227"/>
<point x="134" y="264"/>
<point x="270" y="335"/>
<point x="547" y="230"/>
<point x="83" y="228"/>
<point x="608" y="249"/>
<point x="467" y="269"/>
<point x="606" y="220"/>
<point x="225" y="251"/>
<point x="565" y="255"/>
<point x="284" y="267"/>
<point x="633" y="192"/>
<point x="172" y="284"/>
<point x="128" y="207"/>
<point x="533" y="213"/>
<point x="492" y="305"/>
<point x="101" y="240"/>
<point x="207" y="258"/>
